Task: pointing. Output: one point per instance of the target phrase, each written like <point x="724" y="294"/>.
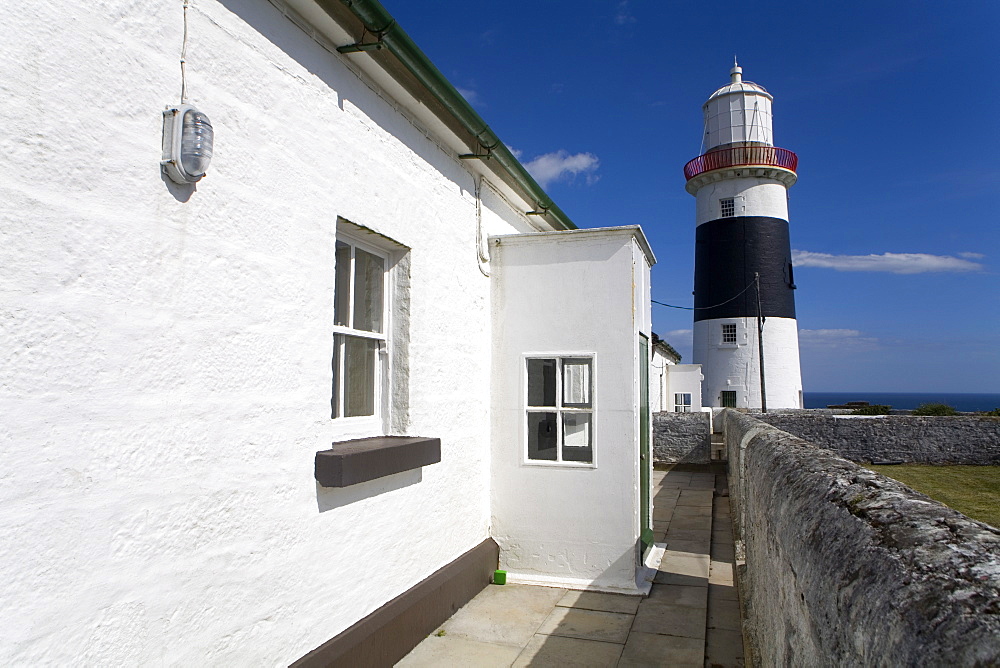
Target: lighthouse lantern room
<point x="743" y="285"/>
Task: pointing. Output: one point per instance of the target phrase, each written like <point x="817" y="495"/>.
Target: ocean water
<point x="905" y="400"/>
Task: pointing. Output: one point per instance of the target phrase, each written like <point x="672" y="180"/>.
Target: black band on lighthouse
<point x="728" y="251"/>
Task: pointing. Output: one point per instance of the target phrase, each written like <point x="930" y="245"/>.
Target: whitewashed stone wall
<point x="847" y="567"/>
<point x="167" y="349"/>
<point x="682" y="438"/>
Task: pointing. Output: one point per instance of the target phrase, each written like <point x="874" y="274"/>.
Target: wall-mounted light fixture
<point x="187" y="143"/>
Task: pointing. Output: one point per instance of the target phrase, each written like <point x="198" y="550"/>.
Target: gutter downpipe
<point x="379" y="22"/>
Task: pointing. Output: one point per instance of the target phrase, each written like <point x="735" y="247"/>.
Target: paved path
<point x="690" y="618"/>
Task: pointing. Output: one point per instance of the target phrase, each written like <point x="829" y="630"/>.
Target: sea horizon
<point x="968" y="402"/>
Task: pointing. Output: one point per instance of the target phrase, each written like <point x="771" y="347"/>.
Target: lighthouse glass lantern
<point x="187" y="143"/>
<point x="745" y="332"/>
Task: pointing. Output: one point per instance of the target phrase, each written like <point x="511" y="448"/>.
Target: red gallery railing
<point x="738" y="156"/>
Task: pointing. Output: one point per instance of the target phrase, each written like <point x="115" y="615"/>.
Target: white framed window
<point x="727" y="206"/>
<point x="559" y="414"/>
<point x="728" y="398"/>
<point x="729" y="332"/>
<point x="682" y="402"/>
<point x="360" y="323"/>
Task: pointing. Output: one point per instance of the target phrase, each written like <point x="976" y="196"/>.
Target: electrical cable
<point x="705" y="308"/>
<point x="184" y="46"/>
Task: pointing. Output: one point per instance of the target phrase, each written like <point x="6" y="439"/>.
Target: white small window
<point x="728" y="207"/>
<point x="728" y="398"/>
<point x="560" y="409"/>
<point x="360" y="323"/>
<point x="682" y="402"/>
<point x="729" y="332"/>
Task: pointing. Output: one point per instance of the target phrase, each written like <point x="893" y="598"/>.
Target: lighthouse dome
<point x="738" y="113"/>
<point x="740" y="87"/>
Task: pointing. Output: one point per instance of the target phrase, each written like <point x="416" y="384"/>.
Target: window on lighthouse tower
<point x="728" y="206"/>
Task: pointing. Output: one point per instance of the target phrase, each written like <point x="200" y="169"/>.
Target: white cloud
<point x="676" y="334"/>
<point x="895" y="263"/>
<point x="623" y="16"/>
<point x="851" y="339"/>
<point x="517" y="153"/>
<point x="471" y="96"/>
<point x="972" y="256"/>
<point x="551" y="167"/>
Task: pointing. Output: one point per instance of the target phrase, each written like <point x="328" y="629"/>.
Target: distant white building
<point x="673" y="387"/>
<point x="289" y="406"/>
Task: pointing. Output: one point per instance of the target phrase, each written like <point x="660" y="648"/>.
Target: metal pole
<point x="760" y="345"/>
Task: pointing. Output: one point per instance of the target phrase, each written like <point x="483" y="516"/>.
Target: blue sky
<point x="892" y="107"/>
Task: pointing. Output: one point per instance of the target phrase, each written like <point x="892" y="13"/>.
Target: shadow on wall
<point x="344" y="84"/>
<point x="328" y="498"/>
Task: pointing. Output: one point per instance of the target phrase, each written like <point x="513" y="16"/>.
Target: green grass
<point x="973" y="490"/>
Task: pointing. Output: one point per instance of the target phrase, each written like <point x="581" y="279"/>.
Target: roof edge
<point x="377" y="21"/>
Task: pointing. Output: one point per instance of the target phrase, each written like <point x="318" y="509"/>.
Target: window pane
<point x="368" y="275"/>
<point x="542" y="436"/>
<point x="576" y="438"/>
<point x="541" y="382"/>
<point x="342" y="286"/>
<point x="576" y="383"/>
<point x="359" y="376"/>
<point x="335" y="398"/>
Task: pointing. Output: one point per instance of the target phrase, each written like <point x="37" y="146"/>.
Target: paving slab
<point x="555" y="651"/>
<point x="504" y="614"/>
<point x="593" y="600"/>
<point x="653" y="649"/>
<point x="679" y="595"/>
<point x="696" y="523"/>
<point x="690" y="546"/>
<point x="696" y="497"/>
<point x="436" y="651"/>
<point x="721" y="573"/>
<point x="724" y="615"/>
<point x="697" y="535"/>
<point x="692" y="511"/>
<point x="587" y="625"/>
<point x="683" y="568"/>
<point x="667" y="619"/>
<point x="722" y="592"/>
<point x="724" y="648"/>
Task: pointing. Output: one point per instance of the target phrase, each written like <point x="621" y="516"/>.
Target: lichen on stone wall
<point x="847" y="567"/>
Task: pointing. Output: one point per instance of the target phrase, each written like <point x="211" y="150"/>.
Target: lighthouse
<point x="743" y="279"/>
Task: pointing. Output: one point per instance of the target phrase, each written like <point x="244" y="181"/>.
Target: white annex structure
<point x="278" y="413"/>
<point x="743" y="266"/>
<point x="565" y="436"/>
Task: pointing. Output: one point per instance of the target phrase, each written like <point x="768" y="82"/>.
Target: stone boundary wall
<point x="844" y="566"/>
<point x="929" y="440"/>
<point x="682" y="438"/>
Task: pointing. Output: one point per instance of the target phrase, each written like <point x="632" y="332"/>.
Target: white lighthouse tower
<point x="743" y="285"/>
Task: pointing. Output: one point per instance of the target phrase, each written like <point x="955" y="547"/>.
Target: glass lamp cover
<point x="196" y="143"/>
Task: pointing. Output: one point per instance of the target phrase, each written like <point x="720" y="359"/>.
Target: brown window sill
<point x="359" y="460"/>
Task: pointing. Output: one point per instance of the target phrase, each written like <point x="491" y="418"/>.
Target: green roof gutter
<point x="482" y="140"/>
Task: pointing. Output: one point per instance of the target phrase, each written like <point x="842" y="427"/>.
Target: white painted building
<point x="178" y="355"/>
<point x="743" y="266"/>
<point x="682" y="388"/>
<point x="673" y="387"/>
<point x="567" y="499"/>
